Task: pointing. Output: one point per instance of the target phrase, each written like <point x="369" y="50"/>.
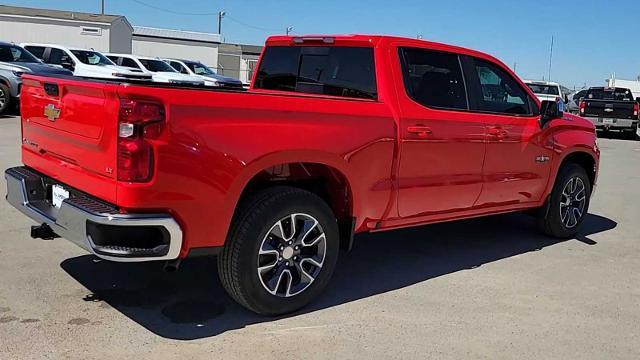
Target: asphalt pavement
<point x="489" y="288"/>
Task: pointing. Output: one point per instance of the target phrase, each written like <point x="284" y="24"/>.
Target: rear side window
<point x="433" y="78"/>
<point x="496" y="91"/>
<point x="38" y="51"/>
<point x="336" y="71"/>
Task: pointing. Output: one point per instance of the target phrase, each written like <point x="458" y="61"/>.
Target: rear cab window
<point x="615" y="94"/>
<point x="38" y="51"/>
<point x="324" y="70"/>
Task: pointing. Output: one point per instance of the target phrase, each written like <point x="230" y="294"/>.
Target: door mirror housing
<point x="638" y="100"/>
<point x="550" y="110"/>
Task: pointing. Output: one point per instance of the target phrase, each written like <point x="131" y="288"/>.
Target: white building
<point x="114" y="34"/>
<point x="108" y="33"/>
<point x="633" y="85"/>
<point x="180" y="44"/>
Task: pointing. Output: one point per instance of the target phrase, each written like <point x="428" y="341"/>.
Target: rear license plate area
<point x="58" y="195"/>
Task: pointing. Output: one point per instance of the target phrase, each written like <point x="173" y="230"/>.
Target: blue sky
<point x="593" y="38"/>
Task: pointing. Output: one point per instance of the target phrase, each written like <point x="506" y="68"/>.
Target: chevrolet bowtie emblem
<point x="51" y="112"/>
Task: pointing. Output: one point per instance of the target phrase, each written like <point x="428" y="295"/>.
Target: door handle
<point x="420" y="131"/>
<point x="497" y="131"/>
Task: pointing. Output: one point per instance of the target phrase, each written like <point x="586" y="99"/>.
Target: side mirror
<point x="67" y="65"/>
<point x="550" y="110"/>
<point x="638" y="100"/>
<point x="566" y="99"/>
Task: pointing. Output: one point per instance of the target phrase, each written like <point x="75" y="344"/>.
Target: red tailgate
<point x="69" y="132"/>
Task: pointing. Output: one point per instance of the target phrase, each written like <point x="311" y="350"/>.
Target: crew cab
<point x="337" y="135"/>
<point x="611" y="108"/>
<point x="83" y="62"/>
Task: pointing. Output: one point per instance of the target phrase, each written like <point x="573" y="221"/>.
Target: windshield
<point x="544" y="89"/>
<point x="156" y="66"/>
<point x="12" y="53"/>
<point x="618" y="94"/>
<point x="199" y="68"/>
<point x="91" y="57"/>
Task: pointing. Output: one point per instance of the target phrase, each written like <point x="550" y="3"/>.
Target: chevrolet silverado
<point x="337" y="135"/>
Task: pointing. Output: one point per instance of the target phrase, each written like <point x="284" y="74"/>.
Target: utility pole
<point x="515" y="66"/>
<point x="550" y="58"/>
<point x="221" y="14"/>
<point x="102" y="12"/>
<point x="289" y="30"/>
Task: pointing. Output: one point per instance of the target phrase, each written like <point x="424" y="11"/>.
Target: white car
<point x="196" y="68"/>
<point x="83" y="62"/>
<point x="545" y="90"/>
<point x="159" y="70"/>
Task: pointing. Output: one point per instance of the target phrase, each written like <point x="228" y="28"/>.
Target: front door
<point x="519" y="152"/>
<point x="442" y="143"/>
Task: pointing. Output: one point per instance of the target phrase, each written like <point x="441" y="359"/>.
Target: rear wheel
<point x="566" y="207"/>
<point x="5" y="98"/>
<point x="281" y="251"/>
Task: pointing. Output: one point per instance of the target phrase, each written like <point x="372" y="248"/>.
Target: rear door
<point x="518" y="154"/>
<point x="442" y="143"/>
<point x="69" y="132"/>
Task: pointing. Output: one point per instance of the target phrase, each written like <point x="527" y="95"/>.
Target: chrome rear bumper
<point x="83" y="220"/>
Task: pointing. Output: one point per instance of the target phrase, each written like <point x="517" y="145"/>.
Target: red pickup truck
<point x="337" y="135"/>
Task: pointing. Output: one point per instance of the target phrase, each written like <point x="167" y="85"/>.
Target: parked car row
<point x="62" y="60"/>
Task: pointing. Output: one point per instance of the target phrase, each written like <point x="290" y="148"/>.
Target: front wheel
<point x="281" y="251"/>
<point x="568" y="203"/>
<point x="5" y="98"/>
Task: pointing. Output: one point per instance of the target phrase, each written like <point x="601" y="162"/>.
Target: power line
<point x="172" y="11"/>
<point x="249" y="25"/>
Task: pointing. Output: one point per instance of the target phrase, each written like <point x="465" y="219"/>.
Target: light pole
<point x="221" y="14"/>
<point x="289" y="30"/>
<point x="102" y="11"/>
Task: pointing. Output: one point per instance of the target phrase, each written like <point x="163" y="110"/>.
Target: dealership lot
<point x="484" y="288"/>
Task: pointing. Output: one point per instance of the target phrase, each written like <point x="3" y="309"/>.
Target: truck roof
<point x="366" y="40"/>
<point x="540" y="82"/>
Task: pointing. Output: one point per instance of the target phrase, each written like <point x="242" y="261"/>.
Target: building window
<point x="86" y="30"/>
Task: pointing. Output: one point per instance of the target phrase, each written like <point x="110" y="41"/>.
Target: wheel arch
<point x="323" y="174"/>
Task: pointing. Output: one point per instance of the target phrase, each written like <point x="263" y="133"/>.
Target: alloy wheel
<point x="291" y="255"/>
<point x="572" y="202"/>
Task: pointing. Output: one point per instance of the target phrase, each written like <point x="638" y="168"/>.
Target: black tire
<point x="550" y="219"/>
<point x="5" y="98"/>
<point x="238" y="262"/>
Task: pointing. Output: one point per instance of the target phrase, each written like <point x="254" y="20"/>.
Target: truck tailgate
<point x="609" y="109"/>
<point x="69" y="132"/>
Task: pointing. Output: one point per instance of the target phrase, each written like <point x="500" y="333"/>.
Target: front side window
<point x="326" y="70"/>
<point x="91" y="57"/>
<point x="497" y="91"/>
<point x="12" y="53"/>
<point x="434" y="78"/>
<point x="130" y="63"/>
<point x="58" y="57"/>
<point x="199" y="69"/>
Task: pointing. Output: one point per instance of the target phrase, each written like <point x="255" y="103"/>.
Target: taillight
<point x="138" y="122"/>
<point x="635" y="109"/>
<point x="582" y="106"/>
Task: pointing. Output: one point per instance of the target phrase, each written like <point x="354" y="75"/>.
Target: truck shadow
<point x="191" y="303"/>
